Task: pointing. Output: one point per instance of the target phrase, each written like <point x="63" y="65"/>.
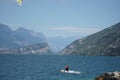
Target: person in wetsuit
<point x="66" y="68"/>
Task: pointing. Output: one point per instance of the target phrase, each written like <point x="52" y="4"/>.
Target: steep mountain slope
<point x="105" y="42"/>
<point x="28" y="37"/>
<point x="22" y="41"/>
<point x="7" y="38"/>
<point x="19" y="38"/>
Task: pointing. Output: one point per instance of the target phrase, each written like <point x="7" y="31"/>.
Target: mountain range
<point x="19" y="38"/>
<point x="103" y="43"/>
<point x="7" y="38"/>
<point x="39" y="48"/>
<point x="22" y="39"/>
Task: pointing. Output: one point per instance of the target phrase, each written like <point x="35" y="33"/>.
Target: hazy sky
<point x="61" y="17"/>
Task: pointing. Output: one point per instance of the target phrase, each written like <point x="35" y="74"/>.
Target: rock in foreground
<point x="109" y="76"/>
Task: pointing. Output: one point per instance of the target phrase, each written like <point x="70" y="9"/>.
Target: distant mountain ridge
<point x="42" y="49"/>
<point x="7" y="38"/>
<point x="22" y="41"/>
<point x="19" y="38"/>
<point x="103" y="43"/>
<point x="28" y="37"/>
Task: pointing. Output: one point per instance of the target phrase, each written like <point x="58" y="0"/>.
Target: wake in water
<point x="70" y="71"/>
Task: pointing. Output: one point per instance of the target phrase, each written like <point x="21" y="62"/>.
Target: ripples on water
<point x="39" y="67"/>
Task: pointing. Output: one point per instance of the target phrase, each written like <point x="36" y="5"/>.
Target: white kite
<point x="19" y="2"/>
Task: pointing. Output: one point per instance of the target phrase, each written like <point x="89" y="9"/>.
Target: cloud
<point x="64" y="31"/>
<point x="82" y="30"/>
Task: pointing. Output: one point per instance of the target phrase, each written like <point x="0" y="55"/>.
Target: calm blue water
<point x="39" y="67"/>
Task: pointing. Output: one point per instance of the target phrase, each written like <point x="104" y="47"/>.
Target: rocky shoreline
<point x="109" y="76"/>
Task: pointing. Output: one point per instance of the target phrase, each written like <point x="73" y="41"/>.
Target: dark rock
<point x="109" y="76"/>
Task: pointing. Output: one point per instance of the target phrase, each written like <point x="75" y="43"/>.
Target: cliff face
<point x="19" y="38"/>
<point x="27" y="37"/>
<point x="105" y="42"/>
<point x="42" y="49"/>
<point x="6" y="37"/>
<point x="22" y="41"/>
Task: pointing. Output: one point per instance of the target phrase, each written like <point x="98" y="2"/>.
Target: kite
<point x="19" y="2"/>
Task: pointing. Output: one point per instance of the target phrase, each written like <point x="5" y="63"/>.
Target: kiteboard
<point x="70" y="71"/>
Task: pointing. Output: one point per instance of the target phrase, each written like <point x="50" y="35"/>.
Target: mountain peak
<point x="21" y="29"/>
<point x="18" y="38"/>
<point x="4" y="27"/>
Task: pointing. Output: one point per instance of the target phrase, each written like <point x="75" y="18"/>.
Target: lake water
<point x="41" y="67"/>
